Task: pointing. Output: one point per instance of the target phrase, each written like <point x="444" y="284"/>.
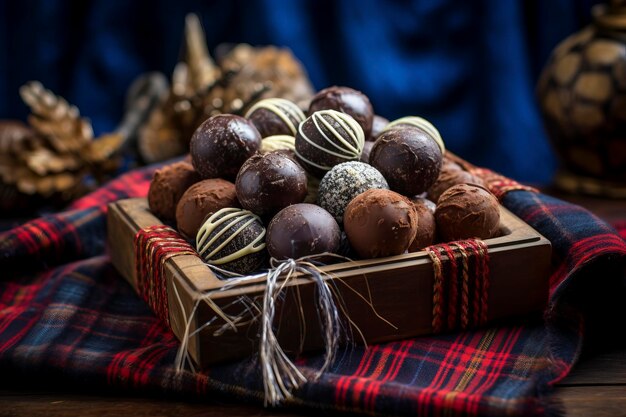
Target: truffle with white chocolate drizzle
<point x="275" y="116"/>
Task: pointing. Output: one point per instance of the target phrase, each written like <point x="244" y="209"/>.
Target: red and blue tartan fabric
<point x="67" y="317"/>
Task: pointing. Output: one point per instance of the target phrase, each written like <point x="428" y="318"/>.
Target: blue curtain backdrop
<point x="468" y="66"/>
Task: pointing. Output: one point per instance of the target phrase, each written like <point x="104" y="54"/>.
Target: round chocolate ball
<point x="367" y="149"/>
<point x="200" y="201"/>
<point x="221" y="144"/>
<point x="467" y="211"/>
<point x="283" y="143"/>
<point x="270" y="182"/>
<point x="420" y="123"/>
<point x="380" y="223"/>
<point x="302" y="230"/>
<point x="275" y="116"/>
<point x="426" y="226"/>
<point x="408" y="158"/>
<point x="344" y="182"/>
<point x="327" y="138"/>
<point x="345" y="100"/>
<point x="379" y="124"/>
<point x="448" y="178"/>
<point x="167" y="187"/>
<point x="234" y="240"/>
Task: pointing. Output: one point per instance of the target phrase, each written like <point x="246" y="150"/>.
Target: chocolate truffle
<point x="302" y="230"/>
<point x="327" y="138"/>
<point x="200" y="201"/>
<point x="167" y="187"/>
<point x="420" y="123"/>
<point x="345" y="100"/>
<point x="221" y="145"/>
<point x="449" y="177"/>
<point x="344" y="182"/>
<point x="365" y="153"/>
<point x="408" y="158"/>
<point x="380" y="223"/>
<point x="379" y="123"/>
<point x="270" y="182"/>
<point x="467" y="211"/>
<point x="425" y="235"/>
<point x="234" y="240"/>
<point x="275" y="116"/>
<point x="283" y="143"/>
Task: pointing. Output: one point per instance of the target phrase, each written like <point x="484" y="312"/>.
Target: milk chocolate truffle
<point x="345" y="100"/>
<point x="380" y="223"/>
<point x="425" y="235"/>
<point x="270" y="182"/>
<point x="420" y="123"/>
<point x="302" y="230"/>
<point x="275" y="116"/>
<point x="200" y="201"/>
<point x="367" y="149"/>
<point x="408" y="158"/>
<point x="327" y="138"/>
<point x="344" y="182"/>
<point x="379" y="123"/>
<point x="234" y="240"/>
<point x="221" y="145"/>
<point x="467" y="211"/>
<point x="449" y="177"/>
<point x="167" y="187"/>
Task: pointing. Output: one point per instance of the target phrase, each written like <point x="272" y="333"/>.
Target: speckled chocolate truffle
<point x="420" y="123"/>
<point x="234" y="240"/>
<point x="380" y="223"/>
<point x="426" y="227"/>
<point x="302" y="230"/>
<point x="167" y="187"/>
<point x="449" y="177"/>
<point x="345" y="100"/>
<point x="327" y="138"/>
<point x="200" y="201"/>
<point x="221" y="145"/>
<point x="467" y="211"/>
<point x="408" y="158"/>
<point x="367" y="149"/>
<point x="270" y="182"/>
<point x="344" y="182"/>
<point x="379" y="123"/>
<point x="275" y="116"/>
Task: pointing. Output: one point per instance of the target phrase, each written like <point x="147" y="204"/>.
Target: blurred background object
<point x="582" y="92"/>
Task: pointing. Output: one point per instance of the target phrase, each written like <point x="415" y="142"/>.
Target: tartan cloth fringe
<point x="66" y="316"/>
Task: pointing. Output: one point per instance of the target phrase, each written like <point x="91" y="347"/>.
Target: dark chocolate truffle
<point x="327" y="138"/>
<point x="167" y="187"/>
<point x="270" y="182"/>
<point x="234" y="240"/>
<point x="467" y="211"/>
<point x="420" y="123"/>
<point x="380" y="223"/>
<point x="302" y="230"/>
<point x="408" y="158"/>
<point x="425" y="235"/>
<point x="379" y="124"/>
<point x="344" y="182"/>
<point x="275" y="116"/>
<point x="449" y="177"/>
<point x="200" y="201"/>
<point x="221" y="144"/>
<point x="367" y="149"/>
<point x="345" y="100"/>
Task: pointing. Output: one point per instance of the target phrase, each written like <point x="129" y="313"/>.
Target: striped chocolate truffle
<point x="275" y="116"/>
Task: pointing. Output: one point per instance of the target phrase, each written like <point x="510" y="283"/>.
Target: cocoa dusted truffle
<point x="380" y="223"/>
<point x="167" y="187"/>
<point x="275" y="116"/>
<point x="345" y="100"/>
<point x="420" y="123"/>
<point x="201" y="200"/>
<point x="302" y="230"/>
<point x="270" y="182"/>
<point x="221" y="144"/>
<point x="327" y="138"/>
<point x="379" y="124"/>
<point x="344" y="182"/>
<point x="408" y="158"/>
<point x="449" y="177"/>
<point x="426" y="226"/>
<point x="467" y="211"/>
<point x="234" y="240"/>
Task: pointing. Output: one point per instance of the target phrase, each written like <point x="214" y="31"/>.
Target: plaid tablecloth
<point x="68" y="317"/>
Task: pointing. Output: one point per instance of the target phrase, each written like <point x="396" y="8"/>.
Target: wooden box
<point x="401" y="289"/>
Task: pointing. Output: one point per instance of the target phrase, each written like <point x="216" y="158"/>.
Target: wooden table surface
<point x="596" y="386"/>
